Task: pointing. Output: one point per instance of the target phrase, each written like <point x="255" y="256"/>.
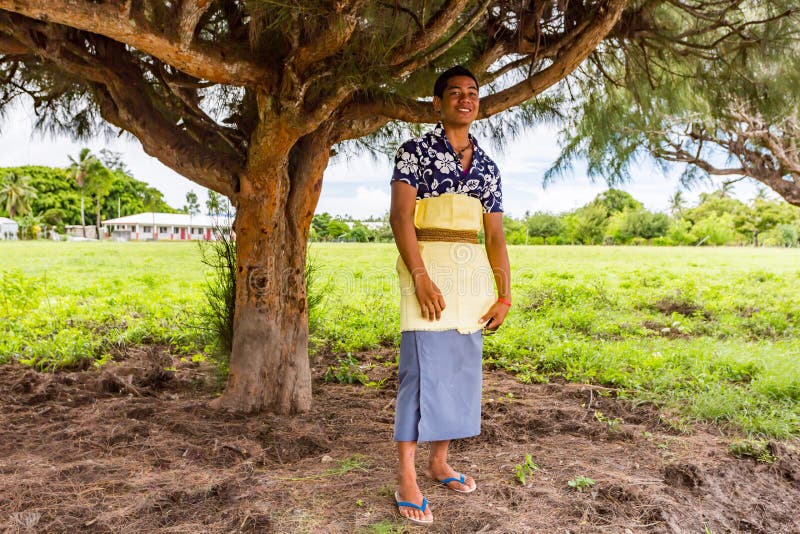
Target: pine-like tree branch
<point x="126" y="101"/>
<point x="406" y="109"/>
<point x="572" y="55"/>
<point x="435" y="28"/>
<point x="190" y="13"/>
<point x="203" y="61"/>
<point x="427" y="57"/>
<point x="11" y="47"/>
<point x="341" y="25"/>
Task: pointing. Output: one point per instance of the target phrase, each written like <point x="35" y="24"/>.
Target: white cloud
<point x="361" y="203"/>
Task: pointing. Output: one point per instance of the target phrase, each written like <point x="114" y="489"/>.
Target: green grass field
<point x="710" y="334"/>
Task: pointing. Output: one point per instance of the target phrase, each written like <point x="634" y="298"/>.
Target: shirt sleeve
<point x="406" y="165"/>
<point x="492" y="198"/>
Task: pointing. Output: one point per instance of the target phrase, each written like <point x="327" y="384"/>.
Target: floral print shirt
<point x="431" y="165"/>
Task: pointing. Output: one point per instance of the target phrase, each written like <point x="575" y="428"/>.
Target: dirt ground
<point x="133" y="448"/>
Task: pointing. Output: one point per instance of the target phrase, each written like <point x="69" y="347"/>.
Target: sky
<point x="359" y="186"/>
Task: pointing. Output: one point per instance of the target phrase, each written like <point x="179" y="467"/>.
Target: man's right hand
<point x="431" y="301"/>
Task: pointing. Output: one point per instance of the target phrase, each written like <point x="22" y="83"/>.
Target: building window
<point x="176" y="230"/>
<point x="147" y="229"/>
<point x="162" y="229"/>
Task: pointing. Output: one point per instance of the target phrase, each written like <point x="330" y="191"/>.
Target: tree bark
<point x="269" y="366"/>
<point x="97" y="221"/>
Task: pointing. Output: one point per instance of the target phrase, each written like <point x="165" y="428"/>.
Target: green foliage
<point x="347" y="370"/>
<point x="527" y="468"/>
<point x="709" y="334"/>
<point x="758" y="449"/>
<point x="325" y="227"/>
<point x="787" y="235"/>
<point x="581" y="483"/>
<point x="587" y="225"/>
<point x="56" y="191"/>
<point x="18" y="293"/>
<point x="220" y="291"/>
<point x="383" y="527"/>
<point x="16" y="193"/>
<point x="626" y="225"/>
<point x="611" y="423"/>
<point x="545" y="225"/>
<point x="614" y="217"/>
<point x="337" y="228"/>
<point x="355" y="462"/>
<point x="713" y="95"/>
<point x="192" y="206"/>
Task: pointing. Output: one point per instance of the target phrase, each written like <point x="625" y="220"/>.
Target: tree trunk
<point x="83" y="219"/>
<point x="269" y="367"/>
<point x="275" y="201"/>
<point x="97" y="221"/>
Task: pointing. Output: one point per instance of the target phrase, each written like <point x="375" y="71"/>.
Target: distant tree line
<point x="91" y="189"/>
<point x="326" y="227"/>
<point x="614" y="217"/>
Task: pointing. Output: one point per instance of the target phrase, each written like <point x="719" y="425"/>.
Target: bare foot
<point x="408" y="491"/>
<point x="444" y="471"/>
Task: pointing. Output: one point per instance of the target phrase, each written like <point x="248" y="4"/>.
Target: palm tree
<point x="16" y="193"/>
<point x="726" y="189"/>
<point x="81" y="170"/>
<point x="98" y="185"/>
<point x="677" y="203"/>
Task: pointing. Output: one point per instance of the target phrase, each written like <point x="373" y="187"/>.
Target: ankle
<point x="438" y="465"/>
<point x="407" y="475"/>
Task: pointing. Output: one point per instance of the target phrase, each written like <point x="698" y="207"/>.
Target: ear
<point x="437" y="104"/>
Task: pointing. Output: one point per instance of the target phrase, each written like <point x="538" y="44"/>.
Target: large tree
<point x="248" y="97"/>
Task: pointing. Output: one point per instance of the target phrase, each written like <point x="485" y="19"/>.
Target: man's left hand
<point x="496" y="315"/>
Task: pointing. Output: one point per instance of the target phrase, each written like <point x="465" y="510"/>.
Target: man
<point x="444" y="189"/>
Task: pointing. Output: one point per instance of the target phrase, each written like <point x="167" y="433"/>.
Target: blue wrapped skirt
<point x="439" y="394"/>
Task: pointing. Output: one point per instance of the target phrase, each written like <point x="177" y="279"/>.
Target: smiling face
<point x="459" y="103"/>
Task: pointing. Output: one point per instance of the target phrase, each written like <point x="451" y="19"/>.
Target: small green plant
<point x="383" y="527"/>
<point x="612" y="423"/>
<point x="581" y="483"/>
<point x="526" y="469"/>
<point x="758" y="449"/>
<point x="346" y="371"/>
<point x="356" y="462"/>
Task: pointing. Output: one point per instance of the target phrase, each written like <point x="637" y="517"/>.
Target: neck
<point x="458" y="135"/>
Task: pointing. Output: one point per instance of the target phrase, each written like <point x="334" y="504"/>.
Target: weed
<point x="581" y="483"/>
<point x="220" y="290"/>
<point x="347" y="370"/>
<point x="356" y="462"/>
<point x="383" y="527"/>
<point x="758" y="449"/>
<point x="526" y="469"/>
<point x="612" y="423"/>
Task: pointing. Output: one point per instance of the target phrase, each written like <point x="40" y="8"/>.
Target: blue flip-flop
<point x="421" y="507"/>
<point x="460" y="479"/>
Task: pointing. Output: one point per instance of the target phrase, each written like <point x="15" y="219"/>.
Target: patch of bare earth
<point x="133" y="448"/>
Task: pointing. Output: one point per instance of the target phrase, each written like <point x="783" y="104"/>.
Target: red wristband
<point x="504" y="301"/>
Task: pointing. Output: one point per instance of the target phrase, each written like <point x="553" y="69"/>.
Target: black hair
<point x="441" y="81"/>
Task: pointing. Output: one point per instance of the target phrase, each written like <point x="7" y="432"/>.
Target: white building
<point x="8" y="228"/>
<point x="166" y="227"/>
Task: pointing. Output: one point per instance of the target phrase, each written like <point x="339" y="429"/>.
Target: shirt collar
<point x="438" y="131"/>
